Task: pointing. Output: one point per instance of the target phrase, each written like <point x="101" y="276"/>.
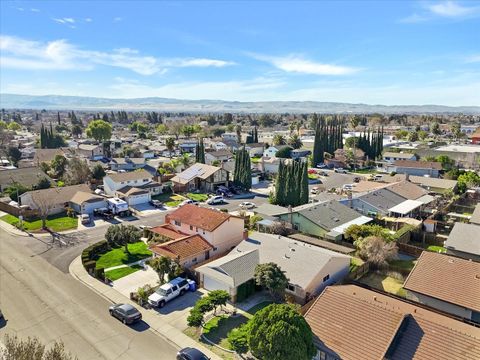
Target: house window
<point x="291" y="287"/>
<point x="191" y="227"/>
<point x="178" y="223"/>
<point x="215" y="249"/>
<point x="145" y="180"/>
<point x="194" y="260"/>
<point x="326" y="278"/>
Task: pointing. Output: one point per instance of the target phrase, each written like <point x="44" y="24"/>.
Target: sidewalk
<point x="155" y="321"/>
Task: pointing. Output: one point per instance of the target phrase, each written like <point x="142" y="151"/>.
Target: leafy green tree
<point x="238" y="339"/>
<point x="218" y="298"/>
<point x="77" y="130"/>
<point x="14" y="155"/>
<point x="271" y="277"/>
<point x="284" y="153"/>
<point x="242" y="175"/>
<point x="98" y="172"/>
<point x="15" y="190"/>
<point x="195" y="318"/>
<point x="446" y="161"/>
<point x="456" y="130"/>
<point x="162" y="129"/>
<point x="351" y="142"/>
<point x="59" y="165"/>
<point x="279" y="332"/>
<point x="31" y="349"/>
<point x="467" y="180"/>
<point x="77" y="172"/>
<point x="14" y="126"/>
<point x="435" y="128"/>
<point x="357" y="233"/>
<point x="200" y="152"/>
<point x="118" y="235"/>
<point x="99" y="130"/>
<point x="43" y="183"/>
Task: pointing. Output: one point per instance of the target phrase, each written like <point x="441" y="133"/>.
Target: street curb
<point x="76" y="265"/>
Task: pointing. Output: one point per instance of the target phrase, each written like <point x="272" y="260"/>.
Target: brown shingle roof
<point x="57" y="195"/>
<point x="419" y="164"/>
<point x="199" y="217"/>
<point x="183" y="248"/>
<point x="446" y="278"/>
<point x="359" y="324"/>
<point x="408" y="190"/>
<point x="132" y="175"/>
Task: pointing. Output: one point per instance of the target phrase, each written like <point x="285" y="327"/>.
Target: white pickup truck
<point x="168" y="291"/>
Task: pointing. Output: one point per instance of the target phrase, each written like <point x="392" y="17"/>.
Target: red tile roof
<point x="183" y="248"/>
<point x="359" y="324"/>
<point x="199" y="217"/>
<point x="168" y="231"/>
<point x="447" y="278"/>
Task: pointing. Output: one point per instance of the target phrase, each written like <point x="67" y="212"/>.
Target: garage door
<point x="212" y="284"/>
<point x="138" y="199"/>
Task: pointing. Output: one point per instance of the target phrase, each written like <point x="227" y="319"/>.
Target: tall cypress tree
<point x="280" y="184"/>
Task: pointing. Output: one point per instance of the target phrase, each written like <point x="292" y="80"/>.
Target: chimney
<point x="407" y="177"/>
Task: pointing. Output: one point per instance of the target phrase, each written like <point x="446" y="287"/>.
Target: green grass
<point x="171" y="200"/>
<point x="121" y="272"/>
<point x="258" y="307"/>
<point x="58" y="222"/>
<point x="385" y="283"/>
<point x="366" y="171"/>
<point x="256" y="159"/>
<point x="115" y="257"/>
<point x="195" y="335"/>
<point x="435" y="248"/>
<point x="217" y="328"/>
<point x="197" y="197"/>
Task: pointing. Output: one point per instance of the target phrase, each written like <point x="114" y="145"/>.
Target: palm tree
<point x="279" y="139"/>
<point x="162" y="266"/>
<point x="295" y="142"/>
<point x="185" y="161"/>
<point x="170" y="144"/>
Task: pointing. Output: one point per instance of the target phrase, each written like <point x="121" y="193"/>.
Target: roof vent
<point x="450" y="261"/>
<point x="477" y="276"/>
<point x="294" y="250"/>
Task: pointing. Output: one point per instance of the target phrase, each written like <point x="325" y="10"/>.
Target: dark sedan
<point x="126" y="313"/>
<point x="191" y="354"/>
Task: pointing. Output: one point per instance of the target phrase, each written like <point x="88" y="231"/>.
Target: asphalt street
<point x="37" y="299"/>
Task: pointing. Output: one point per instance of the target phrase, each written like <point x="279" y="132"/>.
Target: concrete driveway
<point x="147" y="209"/>
<point x="132" y="282"/>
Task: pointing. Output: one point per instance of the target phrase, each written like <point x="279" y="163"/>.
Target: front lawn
<point x="58" y="222"/>
<point x="116" y="274"/>
<point x="169" y="199"/>
<point x="366" y="171"/>
<point x="217" y="328"/>
<point x="115" y="257"/>
<point x="386" y="283"/>
<point x="197" y="197"/>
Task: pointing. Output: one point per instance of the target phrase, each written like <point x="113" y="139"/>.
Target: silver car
<point x="126" y="313"/>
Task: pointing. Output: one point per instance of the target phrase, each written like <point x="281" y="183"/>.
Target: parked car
<point x="348" y="186"/>
<point x="215" y="200"/>
<point x="224" y="191"/>
<point x="315" y="190"/>
<point x="377" y="177"/>
<point x="340" y="170"/>
<point x="169" y="291"/>
<point x="356" y="179"/>
<point x="322" y="166"/>
<point x="247" y="205"/>
<point x="156" y="203"/>
<point x="189" y="353"/>
<point x="85" y="218"/>
<point x="322" y="173"/>
<point x="126" y="313"/>
<point x="188" y="201"/>
<point x="103" y="213"/>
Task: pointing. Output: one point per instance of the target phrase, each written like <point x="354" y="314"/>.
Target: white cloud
<point x="297" y="64"/>
<point x="117" y="19"/>
<point x="451" y="9"/>
<point x="443" y="9"/>
<point x="35" y="10"/>
<point x="59" y="54"/>
<point x="88" y="19"/>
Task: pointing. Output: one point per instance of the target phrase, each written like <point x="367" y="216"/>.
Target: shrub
<point x="99" y="273"/>
<point x="238" y="339"/>
<point x="90" y="265"/>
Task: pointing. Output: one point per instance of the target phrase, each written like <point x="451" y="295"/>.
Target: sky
<point x="374" y="52"/>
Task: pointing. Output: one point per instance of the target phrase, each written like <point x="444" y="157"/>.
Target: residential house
<point x="28" y="177"/>
<point x="219" y="145"/>
<point x="475" y="218"/>
<point x="391" y="157"/>
<point x="351" y="322"/>
<point x="219" y="156"/>
<point x="475" y="138"/>
<point x="418" y="168"/>
<point x="300" y="153"/>
<point x="229" y="136"/>
<point x="201" y="177"/>
<point x="127" y="163"/>
<point x="432" y="185"/>
<point x="255" y="149"/>
<point x="464" y="241"/>
<point x="269" y="165"/>
<point x="188" y="146"/>
<point x="90" y="151"/>
<point x="376" y="202"/>
<point x="272" y="150"/>
<point x="55" y="199"/>
<point x="46" y="155"/>
<point x="341" y="158"/>
<point x="447" y="283"/>
<point x="309" y="268"/>
<point x="188" y="250"/>
<point x="135" y="187"/>
<point x="328" y="219"/>
<point x="147" y="153"/>
<point x="232" y="145"/>
<point x="86" y="202"/>
<point x="222" y="230"/>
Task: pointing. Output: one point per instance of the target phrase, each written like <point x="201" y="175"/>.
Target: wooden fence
<point x="15" y="211"/>
<point x="411" y="250"/>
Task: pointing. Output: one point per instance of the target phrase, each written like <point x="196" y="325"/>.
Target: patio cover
<point x="406" y="207"/>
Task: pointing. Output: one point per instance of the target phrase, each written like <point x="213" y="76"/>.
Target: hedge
<point x="91" y="254"/>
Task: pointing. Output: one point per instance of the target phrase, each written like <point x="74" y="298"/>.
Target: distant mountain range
<point x="58" y="102"/>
